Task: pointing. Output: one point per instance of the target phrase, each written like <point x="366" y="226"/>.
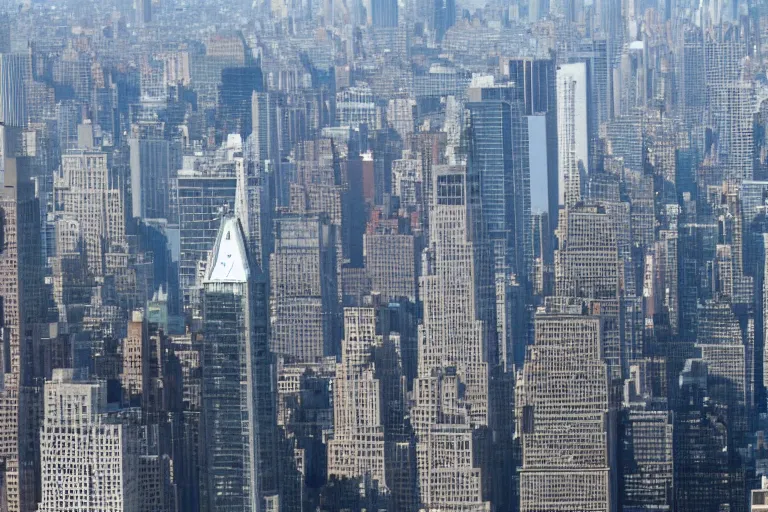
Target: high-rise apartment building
<point x="135" y="375"/>
<point x="88" y="192"/>
<point x="239" y="440"/>
<point x="646" y="438"/>
<point x="357" y="448"/>
<point x="726" y="346"/>
<point x="587" y="266"/>
<point x="317" y="188"/>
<point x="454" y="395"/>
<point x="188" y="350"/>
<point x="703" y="477"/>
<point x="564" y="418"/>
<point x="733" y="105"/>
<point x="587" y="259"/>
<point x="457" y="290"/>
<point x="89" y="453"/>
<point x="23" y="310"/>
<point x="356" y="106"/>
<point x="660" y="289"/>
<point x="304" y="296"/>
<point x="430" y="149"/>
<point x="451" y="472"/>
<point x="390" y="262"/>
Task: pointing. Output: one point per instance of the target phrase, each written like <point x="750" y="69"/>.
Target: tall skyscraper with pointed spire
<point x="239" y="421"/>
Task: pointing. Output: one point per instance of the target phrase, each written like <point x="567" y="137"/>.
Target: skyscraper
<point x="203" y="193"/>
<point x="89" y="192"/>
<point x="587" y="260"/>
<point x="455" y="396"/>
<point x="537" y="9"/>
<point x="645" y="438"/>
<point x="13" y="106"/>
<point x="89" y="455"/>
<point x="23" y="310"/>
<point x="733" y="105"/>
<point x="384" y="13"/>
<point x="238" y="84"/>
<point x="357" y="449"/>
<point x="443" y="17"/>
<point x="574" y="126"/>
<point x="253" y="205"/>
<point x="143" y="12"/>
<point x="239" y="422"/>
<point x="498" y="155"/>
<point x="564" y="418"/>
<point x="304" y="295"/>
<point x="587" y="266"/>
<point x="701" y="456"/>
<point x="135" y="375"/>
<point x="448" y="449"/>
<point x="154" y="162"/>
<point x="265" y="126"/>
<point x="457" y="290"/>
<point x="390" y="262"/>
<point x="536" y="85"/>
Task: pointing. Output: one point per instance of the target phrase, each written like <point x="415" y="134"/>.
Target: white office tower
<point x="357" y="447"/>
<point x="239" y="428"/>
<point x="457" y="347"/>
<point x="88" y="456"/>
<point x="563" y="418"/>
<point x="573" y="130"/>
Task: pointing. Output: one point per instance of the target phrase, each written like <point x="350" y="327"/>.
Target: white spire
<point x="229" y="259"/>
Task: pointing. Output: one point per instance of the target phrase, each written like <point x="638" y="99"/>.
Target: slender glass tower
<point x="239" y="424"/>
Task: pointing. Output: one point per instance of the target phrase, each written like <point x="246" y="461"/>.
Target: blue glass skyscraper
<point x="498" y="155"/>
<point x="499" y="158"/>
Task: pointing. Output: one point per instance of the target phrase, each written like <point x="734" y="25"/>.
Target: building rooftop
<point x="229" y="257"/>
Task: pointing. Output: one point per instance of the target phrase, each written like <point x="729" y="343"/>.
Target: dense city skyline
<point x="383" y="255"/>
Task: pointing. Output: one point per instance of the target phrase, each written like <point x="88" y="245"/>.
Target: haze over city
<point x="383" y="255"/>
